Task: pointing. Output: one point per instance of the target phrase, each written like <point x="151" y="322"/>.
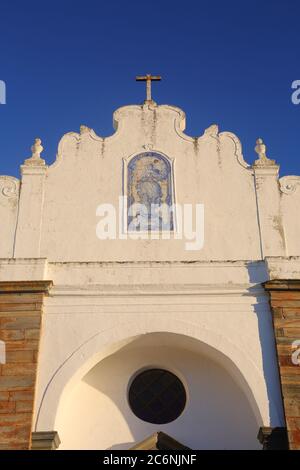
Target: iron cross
<point x="148" y="79"/>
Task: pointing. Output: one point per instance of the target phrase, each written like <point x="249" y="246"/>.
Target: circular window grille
<point x="157" y="396"/>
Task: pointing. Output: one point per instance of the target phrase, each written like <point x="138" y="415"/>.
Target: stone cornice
<point x="25" y="287"/>
<point x="282" y="268"/>
<point x="120" y="290"/>
<point x="282" y="284"/>
<point x="45" y="440"/>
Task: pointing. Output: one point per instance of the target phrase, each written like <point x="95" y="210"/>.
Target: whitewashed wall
<point x="248" y="215"/>
<point x="207" y="307"/>
<point x="97" y="308"/>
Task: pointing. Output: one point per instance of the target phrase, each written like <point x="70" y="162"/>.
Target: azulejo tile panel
<point x="149" y="193"/>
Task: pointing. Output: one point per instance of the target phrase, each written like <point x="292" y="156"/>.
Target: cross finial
<point x="148" y="79"/>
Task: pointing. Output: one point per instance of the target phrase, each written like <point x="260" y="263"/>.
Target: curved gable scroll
<point x="9" y="201"/>
<point x="150" y="195"/>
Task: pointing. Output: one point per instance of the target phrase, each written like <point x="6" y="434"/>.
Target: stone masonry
<point x="285" y="304"/>
<point x="21" y="305"/>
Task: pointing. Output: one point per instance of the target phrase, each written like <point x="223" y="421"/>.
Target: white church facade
<point x="113" y="332"/>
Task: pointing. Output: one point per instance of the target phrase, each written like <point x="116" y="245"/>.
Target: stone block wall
<point x="21" y="305"/>
<point x="285" y="305"/>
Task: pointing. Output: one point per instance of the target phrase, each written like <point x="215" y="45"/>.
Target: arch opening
<point x="94" y="411"/>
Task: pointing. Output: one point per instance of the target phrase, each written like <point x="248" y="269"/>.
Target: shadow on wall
<point x="257" y="275"/>
<point x="217" y="415"/>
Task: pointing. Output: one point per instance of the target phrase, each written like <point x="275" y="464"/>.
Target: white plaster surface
<point x="57" y="212"/>
<point x="249" y="213"/>
<point x="120" y="305"/>
<point x="89" y="316"/>
<point x="217" y="413"/>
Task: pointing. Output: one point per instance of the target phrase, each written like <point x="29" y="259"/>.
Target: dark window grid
<point x="164" y="395"/>
<point x="167" y="408"/>
<point x="147" y="408"/>
<point x="140" y="381"/>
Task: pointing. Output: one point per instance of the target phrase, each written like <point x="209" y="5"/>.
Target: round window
<point x="157" y="396"/>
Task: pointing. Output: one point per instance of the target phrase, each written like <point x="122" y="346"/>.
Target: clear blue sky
<point x="67" y="63"/>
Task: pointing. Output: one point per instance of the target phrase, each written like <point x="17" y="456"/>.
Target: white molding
<point x="158" y="290"/>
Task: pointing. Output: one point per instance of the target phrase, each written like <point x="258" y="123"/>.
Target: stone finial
<point x="263" y="160"/>
<point x="36" y="150"/>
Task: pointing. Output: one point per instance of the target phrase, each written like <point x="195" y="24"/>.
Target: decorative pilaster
<point x="268" y="203"/>
<point x="285" y="306"/>
<point x="28" y="232"/>
<point x="21" y="305"/>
